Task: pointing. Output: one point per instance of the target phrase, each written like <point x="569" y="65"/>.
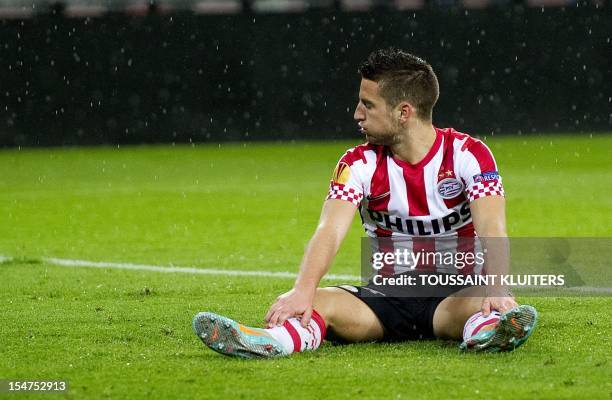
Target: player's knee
<point x="323" y="303"/>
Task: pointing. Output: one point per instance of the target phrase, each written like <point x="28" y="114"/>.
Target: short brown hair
<point x="403" y="76"/>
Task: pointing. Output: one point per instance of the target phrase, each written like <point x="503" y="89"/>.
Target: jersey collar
<point x="430" y="154"/>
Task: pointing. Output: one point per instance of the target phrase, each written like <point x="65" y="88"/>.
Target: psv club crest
<point x="449" y="187"/>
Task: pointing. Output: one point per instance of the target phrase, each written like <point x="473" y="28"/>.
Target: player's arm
<point x="489" y="218"/>
<point x="335" y="221"/>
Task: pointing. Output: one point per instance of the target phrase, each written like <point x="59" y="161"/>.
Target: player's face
<point x="374" y="116"/>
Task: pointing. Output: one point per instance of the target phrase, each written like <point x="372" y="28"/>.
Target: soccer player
<point x="409" y="180"/>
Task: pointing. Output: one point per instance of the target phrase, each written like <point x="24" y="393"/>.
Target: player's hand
<point x="499" y="303"/>
<point x="294" y="303"/>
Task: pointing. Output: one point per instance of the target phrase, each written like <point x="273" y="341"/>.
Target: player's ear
<point x="405" y="111"/>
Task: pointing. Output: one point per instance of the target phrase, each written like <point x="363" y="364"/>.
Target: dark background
<point x="182" y="77"/>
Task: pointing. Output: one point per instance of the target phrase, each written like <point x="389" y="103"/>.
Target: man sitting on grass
<point x="409" y="181"/>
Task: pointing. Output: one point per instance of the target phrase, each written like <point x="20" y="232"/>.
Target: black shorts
<point x="403" y="318"/>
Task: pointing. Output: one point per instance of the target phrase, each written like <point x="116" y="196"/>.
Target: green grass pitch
<point x="127" y="334"/>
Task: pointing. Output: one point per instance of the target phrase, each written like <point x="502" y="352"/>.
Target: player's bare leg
<point x="347" y="318"/>
<point x="452" y="313"/>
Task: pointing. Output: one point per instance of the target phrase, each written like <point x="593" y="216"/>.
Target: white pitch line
<point x="63" y="262"/>
<point x="184" y="270"/>
<point x="585" y="289"/>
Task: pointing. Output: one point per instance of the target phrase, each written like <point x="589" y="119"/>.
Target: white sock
<point x="479" y="323"/>
<point x="295" y="338"/>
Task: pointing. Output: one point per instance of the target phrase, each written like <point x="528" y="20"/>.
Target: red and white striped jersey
<point x="429" y="198"/>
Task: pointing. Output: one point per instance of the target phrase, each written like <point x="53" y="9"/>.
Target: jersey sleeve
<point x="478" y="171"/>
<point x="346" y="183"/>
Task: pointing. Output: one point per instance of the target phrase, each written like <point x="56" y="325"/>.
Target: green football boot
<point x="230" y="338"/>
<point x="515" y="327"/>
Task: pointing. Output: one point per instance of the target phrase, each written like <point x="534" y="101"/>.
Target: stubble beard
<point x="389" y="138"/>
